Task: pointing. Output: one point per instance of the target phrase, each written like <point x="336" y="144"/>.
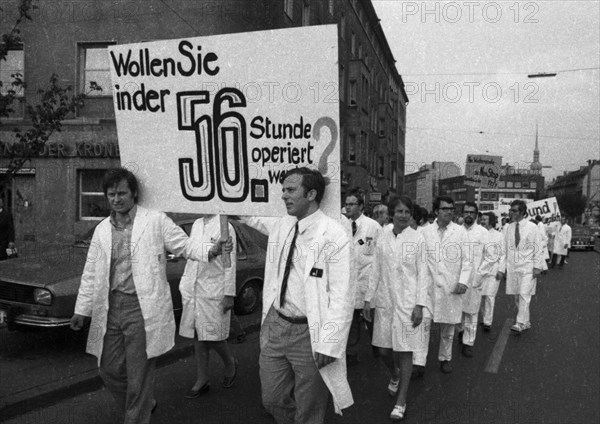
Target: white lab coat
<point x="544" y="234"/>
<point x="203" y="285"/>
<point x="562" y="237"/>
<point x="448" y="264"/>
<point x="492" y="256"/>
<point x="329" y="298"/>
<point x="478" y="238"/>
<point x="518" y="262"/>
<point x="363" y="255"/>
<point x="152" y="233"/>
<point x="401" y="270"/>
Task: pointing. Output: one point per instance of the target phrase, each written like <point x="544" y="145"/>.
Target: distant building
<point x="423" y="185"/>
<point x="584" y="182"/>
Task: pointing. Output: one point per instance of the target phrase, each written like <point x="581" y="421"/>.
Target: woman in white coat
<point x="207" y="292"/>
<point x="400" y="267"/>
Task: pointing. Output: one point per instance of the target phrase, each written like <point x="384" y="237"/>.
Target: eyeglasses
<point x="515" y="210"/>
<point x="470" y="213"/>
<point x="446" y="209"/>
<point x="350" y="204"/>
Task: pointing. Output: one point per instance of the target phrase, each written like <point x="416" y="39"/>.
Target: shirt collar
<point x="130" y="214"/>
<point x="311" y="219"/>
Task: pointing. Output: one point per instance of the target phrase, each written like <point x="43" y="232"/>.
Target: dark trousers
<point x="355" y="330"/>
<point x="561" y="261"/>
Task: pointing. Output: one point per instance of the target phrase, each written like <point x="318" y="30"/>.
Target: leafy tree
<point x="572" y="204"/>
<point x="56" y="103"/>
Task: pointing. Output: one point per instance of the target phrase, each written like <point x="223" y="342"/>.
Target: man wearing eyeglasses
<point x="522" y="262"/>
<point x="448" y="263"/>
<point x="365" y="232"/>
<point x="478" y="237"/>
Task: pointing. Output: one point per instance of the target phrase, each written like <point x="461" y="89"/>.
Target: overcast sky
<point x="485" y="103"/>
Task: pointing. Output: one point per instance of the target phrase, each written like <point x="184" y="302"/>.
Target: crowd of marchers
<point x="397" y="272"/>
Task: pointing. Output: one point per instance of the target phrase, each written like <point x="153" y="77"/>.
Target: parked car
<point x="584" y="237"/>
<point x="41" y="291"/>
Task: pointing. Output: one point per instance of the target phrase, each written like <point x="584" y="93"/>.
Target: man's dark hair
<point x="405" y="200"/>
<point x="438" y="200"/>
<point x="311" y="180"/>
<point x="519" y="204"/>
<point x="471" y="205"/>
<point x="418" y="214"/>
<point x="359" y="197"/>
<point x="492" y="217"/>
<point x="114" y="176"/>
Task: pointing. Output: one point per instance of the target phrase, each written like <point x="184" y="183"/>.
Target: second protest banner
<point x="209" y="124"/>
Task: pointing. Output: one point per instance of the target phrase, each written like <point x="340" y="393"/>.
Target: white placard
<point x="208" y="124"/>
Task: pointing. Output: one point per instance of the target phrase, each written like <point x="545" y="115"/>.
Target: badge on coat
<point x="316" y="272"/>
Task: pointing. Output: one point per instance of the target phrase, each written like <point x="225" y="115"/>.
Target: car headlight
<point x="42" y="296"/>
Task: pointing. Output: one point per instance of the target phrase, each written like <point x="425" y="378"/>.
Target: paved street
<point x="549" y="374"/>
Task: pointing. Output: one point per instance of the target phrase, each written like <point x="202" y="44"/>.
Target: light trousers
<point x="523" y="301"/>
<point x="468" y="326"/>
<point x="487" y="306"/>
<point x="446" y="338"/>
<point x="124" y="366"/>
<point x="420" y="356"/>
<point x="293" y="391"/>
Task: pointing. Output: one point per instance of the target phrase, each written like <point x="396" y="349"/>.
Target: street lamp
<point x="541" y="75"/>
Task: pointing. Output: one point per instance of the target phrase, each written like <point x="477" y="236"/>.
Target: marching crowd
<point x="399" y="272"/>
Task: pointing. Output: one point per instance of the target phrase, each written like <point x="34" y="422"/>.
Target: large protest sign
<point x="208" y="124"/>
<point x="483" y="170"/>
<point x="546" y="208"/>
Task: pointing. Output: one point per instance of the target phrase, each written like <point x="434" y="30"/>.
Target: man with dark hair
<point x="307" y="306"/>
<point x="449" y="267"/>
<point x="521" y="262"/>
<point x="365" y="232"/>
<point x="7" y="231"/>
<point x="478" y="237"/>
<point x="492" y="254"/>
<point x="124" y="290"/>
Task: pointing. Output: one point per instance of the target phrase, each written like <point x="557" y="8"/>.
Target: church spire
<point x="536" y="166"/>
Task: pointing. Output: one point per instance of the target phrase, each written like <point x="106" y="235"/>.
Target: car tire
<point x="248" y="298"/>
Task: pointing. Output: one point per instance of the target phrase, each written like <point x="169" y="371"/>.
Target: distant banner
<point x="483" y="170"/>
<point x="209" y="124"/>
<point x="547" y="208"/>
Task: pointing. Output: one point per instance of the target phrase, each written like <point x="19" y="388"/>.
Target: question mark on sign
<point x="323" y="166"/>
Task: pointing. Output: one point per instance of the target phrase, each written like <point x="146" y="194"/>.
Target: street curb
<point x="88" y="381"/>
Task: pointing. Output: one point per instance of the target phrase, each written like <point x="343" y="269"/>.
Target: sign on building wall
<point x="209" y="124"/>
<point x="483" y="170"/>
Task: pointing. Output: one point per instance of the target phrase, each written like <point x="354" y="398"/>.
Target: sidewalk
<point x="85" y="381"/>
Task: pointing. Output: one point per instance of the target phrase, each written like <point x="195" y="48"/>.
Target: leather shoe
<point x="154" y="407"/>
<point x="487" y="328"/>
<point x="228" y="381"/>
<point x="467" y="351"/>
<point x="446" y="367"/>
<point x="460" y="337"/>
<point x="193" y="394"/>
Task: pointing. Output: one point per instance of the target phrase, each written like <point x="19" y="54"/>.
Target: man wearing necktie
<point x="365" y="232"/>
<point x="521" y="262"/>
<point x="307" y="305"/>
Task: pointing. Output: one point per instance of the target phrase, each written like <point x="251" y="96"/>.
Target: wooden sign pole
<point x="225" y="235"/>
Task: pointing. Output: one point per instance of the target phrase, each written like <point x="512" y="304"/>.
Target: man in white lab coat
<point x="521" y="262"/>
<point x="562" y="243"/>
<point x="478" y="238"/>
<point x="492" y="254"/>
<point x="308" y="300"/>
<point x="124" y="290"/>
<point x="365" y="232"/>
<point x="448" y="263"/>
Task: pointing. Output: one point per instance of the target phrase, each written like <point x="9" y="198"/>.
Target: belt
<point x="295" y="320"/>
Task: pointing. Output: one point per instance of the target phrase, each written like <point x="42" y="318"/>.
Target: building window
<point x="394" y="174"/>
<point x="517" y="184"/>
<point x="352" y="90"/>
<point x="501" y="184"/>
<point x="353" y="44"/>
<point x="533" y="184"/>
<point x="343" y="27"/>
<point x="352" y="148"/>
<point x="485" y="196"/>
<point x="95" y="68"/>
<point x="381" y="166"/>
<point x="381" y="127"/>
<point x="92" y="202"/>
<point x="13" y="65"/>
<point x="360" y="51"/>
<point x="342" y="83"/>
<point x="509" y="184"/>
<point x="288" y="6"/>
<point x="306" y="15"/>
<point x="331" y="2"/>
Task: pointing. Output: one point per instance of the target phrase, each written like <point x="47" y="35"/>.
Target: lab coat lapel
<point x="139" y="225"/>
